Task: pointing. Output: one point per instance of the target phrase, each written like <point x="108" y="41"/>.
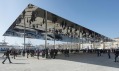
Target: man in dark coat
<point x="38" y="53"/>
<point x="116" y="55"/>
<point x="28" y="52"/>
<point x="7" y="56"/>
<point x="109" y="56"/>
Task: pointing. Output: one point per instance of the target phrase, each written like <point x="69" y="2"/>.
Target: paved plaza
<point x="76" y="62"/>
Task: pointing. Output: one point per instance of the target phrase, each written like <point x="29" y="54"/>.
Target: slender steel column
<point x="79" y="40"/>
<point x="71" y="41"/>
<point x="103" y="45"/>
<point x="94" y="41"/>
<point x="54" y="35"/>
<point x="24" y="32"/>
<point x="45" y="29"/>
<point x="82" y="41"/>
<point x="67" y="44"/>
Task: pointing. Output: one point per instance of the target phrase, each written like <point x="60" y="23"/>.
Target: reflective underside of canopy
<point x="32" y="20"/>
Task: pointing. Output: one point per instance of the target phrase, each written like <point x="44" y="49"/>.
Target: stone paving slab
<point x="76" y="62"/>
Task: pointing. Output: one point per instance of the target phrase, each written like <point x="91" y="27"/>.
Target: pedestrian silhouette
<point x="109" y="56"/>
<point x="7" y="56"/>
<point x="116" y="54"/>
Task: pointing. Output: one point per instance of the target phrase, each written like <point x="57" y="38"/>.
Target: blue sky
<point x="101" y="16"/>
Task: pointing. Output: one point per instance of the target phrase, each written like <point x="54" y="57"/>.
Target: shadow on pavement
<point x="19" y="63"/>
<point x="91" y="59"/>
<point x="20" y="59"/>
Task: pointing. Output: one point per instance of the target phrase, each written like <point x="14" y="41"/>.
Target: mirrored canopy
<point x="32" y="22"/>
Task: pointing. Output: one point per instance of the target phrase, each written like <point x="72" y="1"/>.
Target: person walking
<point x="7" y="56"/>
<point x="23" y="53"/>
<point x="116" y="54"/>
<point x="14" y="53"/>
<point x="109" y="56"/>
<point x="28" y="52"/>
<point x="38" y="53"/>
